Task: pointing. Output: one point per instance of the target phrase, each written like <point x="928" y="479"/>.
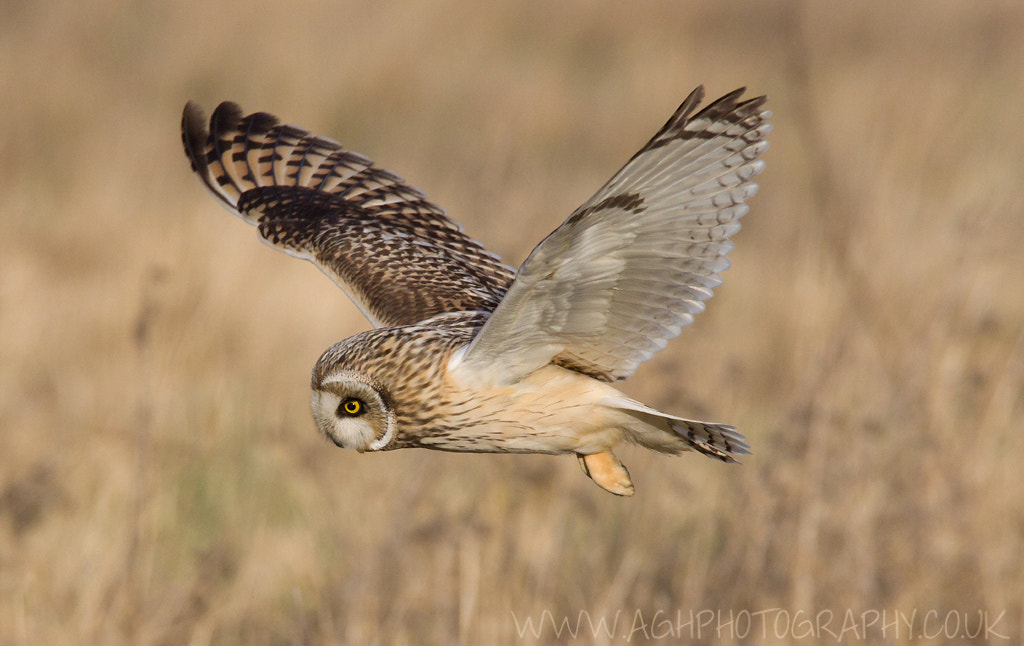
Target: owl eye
<point x="351" y="407"/>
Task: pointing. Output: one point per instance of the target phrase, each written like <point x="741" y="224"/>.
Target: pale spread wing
<point x="397" y="255"/>
<point x="633" y="264"/>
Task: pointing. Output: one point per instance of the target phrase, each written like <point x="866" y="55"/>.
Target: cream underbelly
<point x="554" y="410"/>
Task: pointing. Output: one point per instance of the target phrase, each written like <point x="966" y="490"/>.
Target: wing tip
<point x="201" y="139"/>
<point x="207" y="140"/>
<point x="728" y="106"/>
<point x="732" y="103"/>
<point x="225" y="118"/>
<point x="193" y="135"/>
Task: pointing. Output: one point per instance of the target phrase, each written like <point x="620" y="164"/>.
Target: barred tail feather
<point x="719" y="441"/>
<point x="666" y="433"/>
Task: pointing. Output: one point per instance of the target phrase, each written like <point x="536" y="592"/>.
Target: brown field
<point x="162" y="482"/>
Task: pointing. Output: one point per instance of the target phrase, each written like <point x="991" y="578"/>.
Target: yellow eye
<point x="351" y="407"/>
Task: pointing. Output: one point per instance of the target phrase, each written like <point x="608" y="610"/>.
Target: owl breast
<point x="553" y="410"/>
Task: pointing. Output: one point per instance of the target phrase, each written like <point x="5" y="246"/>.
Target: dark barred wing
<point x="633" y="264"/>
<point x="397" y="255"/>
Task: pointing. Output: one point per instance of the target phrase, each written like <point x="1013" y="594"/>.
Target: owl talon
<point x="607" y="472"/>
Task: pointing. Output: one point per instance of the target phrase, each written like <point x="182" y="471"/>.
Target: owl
<point x="467" y="354"/>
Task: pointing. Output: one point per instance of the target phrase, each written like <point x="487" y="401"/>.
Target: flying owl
<point x="468" y="354"/>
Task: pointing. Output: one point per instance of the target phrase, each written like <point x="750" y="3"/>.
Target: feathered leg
<point x="607" y="472"/>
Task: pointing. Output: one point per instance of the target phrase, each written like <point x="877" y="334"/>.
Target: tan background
<point x="161" y="481"/>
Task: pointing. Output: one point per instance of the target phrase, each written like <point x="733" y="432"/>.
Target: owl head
<point x="353" y="411"/>
<point x="369" y="385"/>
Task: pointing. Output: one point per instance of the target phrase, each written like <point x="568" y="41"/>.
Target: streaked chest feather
<point x="554" y="410"/>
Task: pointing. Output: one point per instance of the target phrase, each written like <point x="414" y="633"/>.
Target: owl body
<point x="468" y="354"/>
<point x="408" y="376"/>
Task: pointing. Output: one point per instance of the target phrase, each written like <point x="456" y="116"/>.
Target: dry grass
<point x="161" y="481"/>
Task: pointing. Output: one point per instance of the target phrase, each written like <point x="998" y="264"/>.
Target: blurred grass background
<point x="162" y="482"/>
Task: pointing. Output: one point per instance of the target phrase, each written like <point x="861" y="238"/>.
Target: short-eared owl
<point x="468" y="354"/>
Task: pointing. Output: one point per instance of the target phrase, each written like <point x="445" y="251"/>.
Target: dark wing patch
<point x="400" y="268"/>
<point x="396" y="254"/>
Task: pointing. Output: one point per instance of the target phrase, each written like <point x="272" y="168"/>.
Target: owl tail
<point x="666" y="433"/>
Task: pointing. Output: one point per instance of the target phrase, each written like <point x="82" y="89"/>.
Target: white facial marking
<point x="359" y="432"/>
<point x="385" y="439"/>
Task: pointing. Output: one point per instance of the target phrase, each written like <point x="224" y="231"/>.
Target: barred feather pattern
<point x="395" y="253"/>
<point x="633" y="264"/>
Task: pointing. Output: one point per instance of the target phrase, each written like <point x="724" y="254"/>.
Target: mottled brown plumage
<point x="360" y="224"/>
<point x="467" y="354"/>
